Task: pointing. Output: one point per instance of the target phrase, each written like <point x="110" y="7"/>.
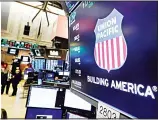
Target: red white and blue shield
<point x="110" y="47"/>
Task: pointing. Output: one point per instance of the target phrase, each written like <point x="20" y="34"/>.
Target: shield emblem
<point x="110" y="50"/>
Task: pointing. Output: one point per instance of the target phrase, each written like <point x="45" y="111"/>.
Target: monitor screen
<point x="54" y="53"/>
<point x="113" y="57"/>
<point x="74" y="116"/>
<point x="70" y="101"/>
<point x="39" y="64"/>
<point x="25" y="59"/>
<point x="13" y="51"/>
<point x="28" y="70"/>
<point x="60" y="62"/>
<point x="51" y="64"/>
<point x="50" y="76"/>
<point x="42" y="97"/>
<point x="43" y="113"/>
<point x="65" y="73"/>
<point x="40" y="75"/>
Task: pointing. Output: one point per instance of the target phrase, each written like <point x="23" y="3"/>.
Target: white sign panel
<point x="106" y="112"/>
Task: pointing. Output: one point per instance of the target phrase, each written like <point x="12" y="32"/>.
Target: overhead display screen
<point x="39" y="64"/>
<point x="54" y="54"/>
<point x="51" y="64"/>
<point x="13" y="51"/>
<point x="113" y="55"/>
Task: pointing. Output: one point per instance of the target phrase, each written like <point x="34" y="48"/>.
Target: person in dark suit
<point x="8" y="81"/>
<point x="15" y="81"/>
<point x="3" y="114"/>
<point x="4" y="77"/>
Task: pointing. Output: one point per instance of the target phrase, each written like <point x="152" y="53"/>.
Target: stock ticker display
<point x="17" y="44"/>
<point x="38" y="64"/>
<point x="113" y="54"/>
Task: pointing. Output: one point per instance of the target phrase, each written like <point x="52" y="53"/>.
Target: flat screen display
<point x="60" y="62"/>
<point x="39" y="64"/>
<point x="43" y="113"/>
<point x="74" y="101"/>
<point x="13" y="51"/>
<point x="50" y="76"/>
<point x="65" y="73"/>
<point x="42" y="97"/>
<point x="40" y="75"/>
<point x="114" y="56"/>
<point x="51" y="64"/>
<point x="25" y="58"/>
<point x="54" y="53"/>
<point x="74" y="116"/>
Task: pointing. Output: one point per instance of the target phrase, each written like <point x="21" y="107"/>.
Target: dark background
<point x="139" y="27"/>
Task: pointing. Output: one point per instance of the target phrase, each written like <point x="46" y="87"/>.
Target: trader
<point x="15" y="81"/>
<point x="4" y="77"/>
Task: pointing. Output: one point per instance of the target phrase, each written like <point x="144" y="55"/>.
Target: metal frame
<point x="37" y="7"/>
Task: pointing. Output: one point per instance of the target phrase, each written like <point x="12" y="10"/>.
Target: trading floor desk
<point x="55" y="84"/>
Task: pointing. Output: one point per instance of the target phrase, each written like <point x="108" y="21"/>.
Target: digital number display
<point x="18" y="44"/>
<point x="107" y="113"/>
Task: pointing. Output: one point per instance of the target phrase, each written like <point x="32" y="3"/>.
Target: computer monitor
<point x="49" y="76"/>
<point x="39" y="64"/>
<point x="13" y="51"/>
<point x="43" y="113"/>
<point x="42" y="97"/>
<point x="65" y="73"/>
<point x="74" y="101"/>
<point x="74" y="116"/>
<point x="25" y="58"/>
<point x="60" y="62"/>
<point x="58" y="68"/>
<point x="41" y="75"/>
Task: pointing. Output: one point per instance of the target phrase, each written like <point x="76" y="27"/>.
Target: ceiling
<point x="54" y="4"/>
<point x="54" y="7"/>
